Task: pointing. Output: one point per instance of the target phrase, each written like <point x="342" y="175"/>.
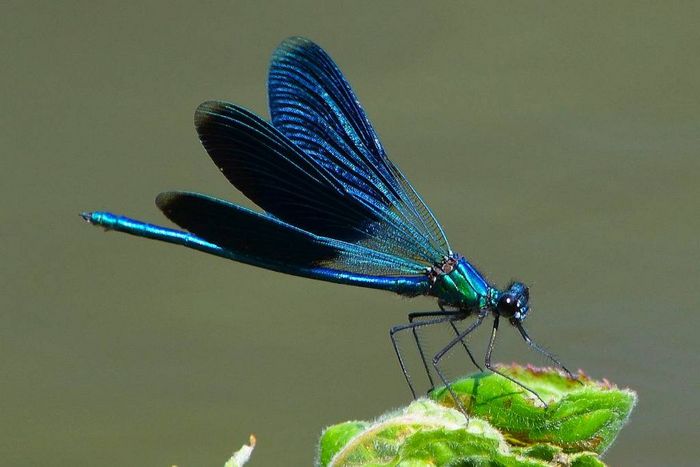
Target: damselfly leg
<point x="547" y="354"/>
<point x="447" y="348"/>
<point x="492" y="342"/>
<point x="412" y="325"/>
<point x="458" y="316"/>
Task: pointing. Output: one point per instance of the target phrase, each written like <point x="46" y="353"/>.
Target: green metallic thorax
<point x="461" y="286"/>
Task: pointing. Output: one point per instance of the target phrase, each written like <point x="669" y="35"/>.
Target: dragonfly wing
<point x="262" y="240"/>
<point x="301" y="190"/>
<point x="314" y="106"/>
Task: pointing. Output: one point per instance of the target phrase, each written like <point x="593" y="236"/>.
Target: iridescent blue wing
<point x="262" y="240"/>
<point x="313" y="105"/>
<point x="300" y="190"/>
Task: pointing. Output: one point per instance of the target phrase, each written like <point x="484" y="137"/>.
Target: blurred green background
<point x="556" y="142"/>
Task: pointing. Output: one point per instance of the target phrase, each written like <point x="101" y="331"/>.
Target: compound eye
<point x="507" y="306"/>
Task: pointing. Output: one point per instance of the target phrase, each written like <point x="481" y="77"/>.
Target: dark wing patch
<point x="314" y="106"/>
<point x="275" y="174"/>
<point x="268" y="241"/>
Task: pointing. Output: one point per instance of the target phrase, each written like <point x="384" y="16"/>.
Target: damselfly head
<point x="513" y="303"/>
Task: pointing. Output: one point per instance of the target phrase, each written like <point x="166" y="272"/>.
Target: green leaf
<point x="422" y="434"/>
<point x="507" y="426"/>
<point x="335" y="437"/>
<point x="585" y="416"/>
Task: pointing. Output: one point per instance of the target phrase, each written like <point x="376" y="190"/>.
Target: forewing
<point x="314" y="106"/>
<point x="302" y="190"/>
<point x="261" y="239"/>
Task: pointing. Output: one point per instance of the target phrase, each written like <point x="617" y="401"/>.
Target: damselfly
<point x="334" y="207"/>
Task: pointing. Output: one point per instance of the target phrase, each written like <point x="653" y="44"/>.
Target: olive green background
<point x="557" y="142"/>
